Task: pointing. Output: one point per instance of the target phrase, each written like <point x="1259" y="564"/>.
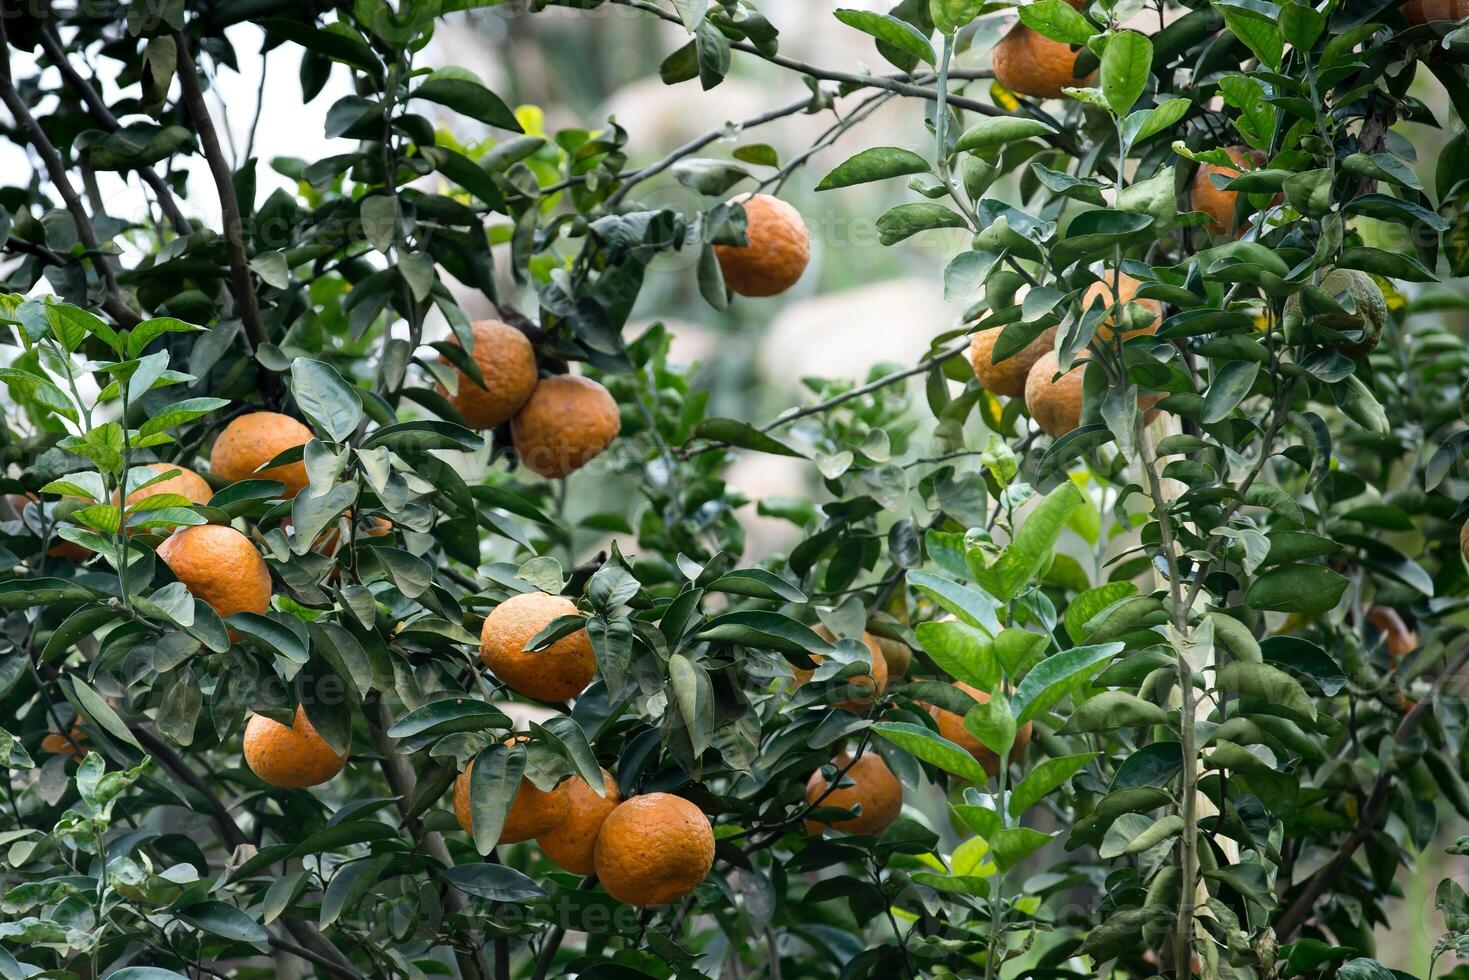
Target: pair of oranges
<point x="1054" y="399"/>
<point x="558" y="424"/>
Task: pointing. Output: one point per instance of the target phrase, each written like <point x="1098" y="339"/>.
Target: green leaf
<point x="950" y="15"/>
<point x="1126" y="62"/>
<point x="1044" y="778"/>
<point x="1057" y="20"/>
<point x="494" y="780"/>
<point x="898" y="33"/>
<point x="877" y="163"/>
<point x="492" y="882"/>
<point x="1230" y="384"/>
<point x="906" y="220"/>
<point x="999" y="130"/>
<point x="1254" y="23"/>
<point x="459" y="91"/>
<point x="1111" y="710"/>
<point x="1034" y="543"/>
<point x="1012" y="845"/>
<point x="225" y="921"/>
<point x="99" y="712"/>
<point x="1050" y="680"/>
<point x="1134" y="833"/>
<point x="1144" y="123"/>
<point x="970" y="606"/>
<point x="564" y="735"/>
<point x="932" y="748"/>
<point x="1087" y="605"/>
<point x="758" y="583"/>
<point x="447" y="715"/>
<point x="742" y="435"/>
<point x="770" y="630"/>
<point x="1297" y="589"/>
<point x="350" y="884"/>
<point x="327" y="400"/>
<point x="1268" y="684"/>
<point x="993" y="724"/>
<point x="962" y="651"/>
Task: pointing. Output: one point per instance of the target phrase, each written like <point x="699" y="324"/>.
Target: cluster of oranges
<point x="558" y="424"/>
<point x="1053" y="398"/>
<point x="866" y="785"/>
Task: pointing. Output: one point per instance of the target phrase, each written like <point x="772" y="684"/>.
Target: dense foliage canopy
<point x="1200" y="578"/>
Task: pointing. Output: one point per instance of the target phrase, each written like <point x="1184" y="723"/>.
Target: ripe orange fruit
<point x="567" y="422"/>
<point x="779" y="246"/>
<point x="874" y="788"/>
<point x="897" y="654"/>
<point x="561" y="671"/>
<point x="293" y="757"/>
<point x="1464" y="540"/>
<point x="1429" y="11"/>
<point x="1029" y="63"/>
<point x="865" y="689"/>
<point x="653" y="849"/>
<point x="1127" y="286"/>
<point x="1219" y="204"/>
<point x="1401" y="640"/>
<point x="253" y="440"/>
<point x="59" y="744"/>
<point x="508" y="362"/>
<point x="951" y="727"/>
<point x="533" y="811"/>
<point x="185" y="482"/>
<point x="572" y="843"/>
<point x="1055" y="404"/>
<point x="219" y="565"/>
<point x="1006" y="378"/>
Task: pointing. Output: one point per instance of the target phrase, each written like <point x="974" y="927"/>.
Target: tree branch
<point x="799" y="413"/>
<point x="113" y="302"/>
<point x="247" y="303"/>
<point x="98" y="109"/>
<point x="1304" y="906"/>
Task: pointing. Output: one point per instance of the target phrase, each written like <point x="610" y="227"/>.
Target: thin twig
<point x="247" y="303"/>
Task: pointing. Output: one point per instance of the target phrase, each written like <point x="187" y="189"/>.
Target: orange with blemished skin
<point x="507" y="361"/>
<point x="1006" y="378"/>
<point x="533" y="811"/>
<point x="872" y="685"/>
<point x="572" y="843"/>
<point x="185" y="482"/>
<point x="778" y="249"/>
<point x="1128" y="287"/>
<point x="294" y="757"/>
<point x="1431" y="11"/>
<point x="253" y="440"/>
<point x="1055" y="403"/>
<point x="873" y="787"/>
<point x="567" y="422"/>
<point x="951" y="727"/>
<point x="1028" y="63"/>
<point x="59" y="744"/>
<point x="654" y="849"/>
<point x="561" y="671"/>
<point x="220" y="566"/>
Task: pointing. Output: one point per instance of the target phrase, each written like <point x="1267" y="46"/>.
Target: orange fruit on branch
<point x="220" y="566"/>
<point x="777" y="250"/>
<point x="567" y="422"/>
<point x="1006" y="378"/>
<point x="532" y="812"/>
<point x="74" y="745"/>
<point x="294" y="757"/>
<point x="873" y="787"/>
<point x="507" y="362"/>
<point x="653" y="849"/>
<point x="572" y="843"/>
<point x="561" y="671"/>
<point x="1219" y="204"/>
<point x="951" y="727"/>
<point x="1055" y="403"/>
<point x="1430" y="11"/>
<point x="865" y="689"/>
<point x="251" y="441"/>
<point x="1029" y="63"/>
<point x="1127" y="286"/>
